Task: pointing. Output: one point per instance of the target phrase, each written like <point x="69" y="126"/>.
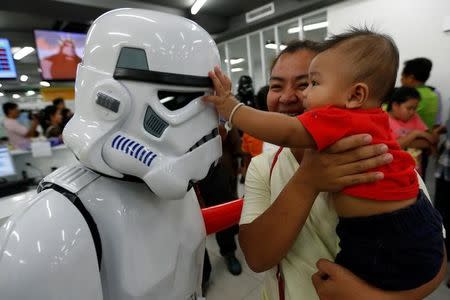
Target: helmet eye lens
<point x="175" y="100"/>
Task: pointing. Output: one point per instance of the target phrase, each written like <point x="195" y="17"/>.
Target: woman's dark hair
<point x="401" y="95"/>
<point x="49" y="111"/>
<point x="419" y="67"/>
<point x="8" y="106"/>
<point x="296" y="45"/>
<point x="58" y="101"/>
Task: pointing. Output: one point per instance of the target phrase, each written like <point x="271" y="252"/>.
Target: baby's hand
<point x="223" y="100"/>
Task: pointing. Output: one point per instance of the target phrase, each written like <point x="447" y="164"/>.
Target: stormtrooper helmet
<point x="138" y="107"/>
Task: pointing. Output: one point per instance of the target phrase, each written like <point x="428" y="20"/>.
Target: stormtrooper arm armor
<point x="222" y="216"/>
<point x="47" y="252"/>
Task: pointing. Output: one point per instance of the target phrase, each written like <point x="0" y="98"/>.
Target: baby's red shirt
<point x="329" y="124"/>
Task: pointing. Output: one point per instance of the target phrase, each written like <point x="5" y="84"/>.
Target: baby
<point x="390" y="235"/>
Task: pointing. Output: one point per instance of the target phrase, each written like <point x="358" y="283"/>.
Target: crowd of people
<point x="288" y="225"/>
<point x="48" y="122"/>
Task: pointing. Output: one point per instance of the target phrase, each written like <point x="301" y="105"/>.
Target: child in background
<point x="407" y="127"/>
<point x="390" y="235"/>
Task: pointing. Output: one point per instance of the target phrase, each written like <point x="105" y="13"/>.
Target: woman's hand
<point x="334" y="282"/>
<point x="345" y="163"/>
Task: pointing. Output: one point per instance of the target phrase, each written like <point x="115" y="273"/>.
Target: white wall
<point x="415" y="25"/>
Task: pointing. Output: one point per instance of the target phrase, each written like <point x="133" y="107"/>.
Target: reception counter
<point x="36" y="167"/>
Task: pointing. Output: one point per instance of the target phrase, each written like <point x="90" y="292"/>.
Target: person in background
<point x="220" y="186"/>
<point x="246" y="93"/>
<point x="415" y="73"/>
<point x="252" y="146"/>
<point x="442" y="187"/>
<point x="18" y="135"/>
<point x="407" y="127"/>
<point x="59" y="103"/>
<point x="66" y="116"/>
<point x="66" y="113"/>
<point x="53" y="118"/>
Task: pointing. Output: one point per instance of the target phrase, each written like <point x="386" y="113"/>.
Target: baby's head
<point x="356" y="69"/>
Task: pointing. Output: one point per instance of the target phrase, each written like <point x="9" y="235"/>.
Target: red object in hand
<point x="222" y="216"/>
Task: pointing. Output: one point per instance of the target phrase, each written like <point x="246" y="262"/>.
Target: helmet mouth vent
<point x="206" y="138"/>
<point x="153" y="123"/>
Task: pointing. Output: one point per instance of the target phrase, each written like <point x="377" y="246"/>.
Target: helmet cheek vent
<point x="153" y="123"/>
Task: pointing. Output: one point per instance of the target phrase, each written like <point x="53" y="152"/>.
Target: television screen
<point x="59" y="53"/>
<point x="7" y="67"/>
<point x="6" y="163"/>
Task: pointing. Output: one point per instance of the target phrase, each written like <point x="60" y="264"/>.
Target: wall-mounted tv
<point x="59" y="53"/>
<point x="7" y="67"/>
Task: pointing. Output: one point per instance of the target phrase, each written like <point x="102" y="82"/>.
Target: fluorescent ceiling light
<point x="15" y="49"/>
<point x="23" y="78"/>
<point x="1" y="94"/>
<point x="237" y="70"/>
<point x="23" y="52"/>
<point x="44" y="83"/>
<point x="273" y="46"/>
<point x="30" y="93"/>
<point x="235" y="61"/>
<point x="293" y="29"/>
<point x="0" y="85"/>
<point x="315" y="26"/>
<point x="197" y="5"/>
<point x="16" y="96"/>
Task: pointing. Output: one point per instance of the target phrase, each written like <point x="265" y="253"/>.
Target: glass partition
<point x="315" y="27"/>
<point x="256" y="62"/>
<point x="270" y="50"/>
<point x="288" y="32"/>
<point x="252" y="54"/>
<point x="238" y="60"/>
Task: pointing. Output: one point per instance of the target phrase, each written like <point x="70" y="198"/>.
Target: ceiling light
<point x="23" y="52"/>
<point x="315" y="26"/>
<point x="197" y="5"/>
<point x="293" y="30"/>
<point x="15" y="49"/>
<point x="16" y="96"/>
<point x="237" y="70"/>
<point x="235" y="61"/>
<point x="23" y="78"/>
<point x="44" y="83"/>
<point x="0" y="85"/>
<point x="30" y="93"/>
<point x="271" y="45"/>
<point x="1" y="94"/>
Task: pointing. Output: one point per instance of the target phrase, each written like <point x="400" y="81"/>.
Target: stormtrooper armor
<point x="124" y="223"/>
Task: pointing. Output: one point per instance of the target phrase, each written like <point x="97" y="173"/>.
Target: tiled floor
<point x="247" y="286"/>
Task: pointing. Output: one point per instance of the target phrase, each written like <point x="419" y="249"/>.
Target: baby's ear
<point x="359" y="93"/>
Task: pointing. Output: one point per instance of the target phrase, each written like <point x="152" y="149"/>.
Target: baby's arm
<point x="271" y="127"/>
